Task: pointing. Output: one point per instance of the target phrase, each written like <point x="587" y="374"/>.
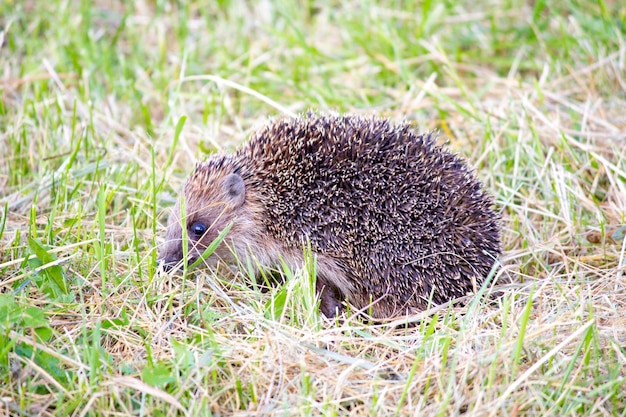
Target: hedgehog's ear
<point x="234" y="189"/>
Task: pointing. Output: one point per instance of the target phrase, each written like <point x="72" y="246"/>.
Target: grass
<point x="105" y="106"/>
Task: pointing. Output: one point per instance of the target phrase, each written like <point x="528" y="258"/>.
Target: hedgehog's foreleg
<point x="330" y="297"/>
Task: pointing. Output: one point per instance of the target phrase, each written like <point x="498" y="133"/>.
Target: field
<point x="105" y="106"/>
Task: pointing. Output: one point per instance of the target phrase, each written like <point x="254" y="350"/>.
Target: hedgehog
<point x="396" y="222"/>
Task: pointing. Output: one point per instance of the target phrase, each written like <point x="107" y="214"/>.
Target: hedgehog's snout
<point x="172" y="262"/>
<point x="171" y="252"/>
<point x="170" y="256"/>
<point x="168" y="264"/>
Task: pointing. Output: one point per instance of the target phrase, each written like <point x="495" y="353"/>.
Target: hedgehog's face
<point x="210" y="205"/>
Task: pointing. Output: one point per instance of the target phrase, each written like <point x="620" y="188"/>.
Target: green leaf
<point x="121" y="321"/>
<point x="9" y="310"/>
<point x="184" y="356"/>
<point x="157" y="375"/>
<point x="35" y="317"/>
<point x="4" y="214"/>
<point x="276" y="306"/>
<point x="51" y="364"/>
<point x="44" y="333"/>
<point x="52" y="273"/>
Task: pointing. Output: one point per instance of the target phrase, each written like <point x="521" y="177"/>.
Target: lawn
<point x="105" y="107"/>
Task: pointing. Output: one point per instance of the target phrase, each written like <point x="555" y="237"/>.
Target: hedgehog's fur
<point x="394" y="220"/>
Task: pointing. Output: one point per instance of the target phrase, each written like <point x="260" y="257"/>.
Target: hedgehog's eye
<point x="198" y="229"/>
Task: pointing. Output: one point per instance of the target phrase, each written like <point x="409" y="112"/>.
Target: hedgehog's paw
<point x="329" y="305"/>
<point x="330" y="298"/>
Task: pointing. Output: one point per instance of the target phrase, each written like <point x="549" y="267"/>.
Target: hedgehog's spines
<point x="390" y="214"/>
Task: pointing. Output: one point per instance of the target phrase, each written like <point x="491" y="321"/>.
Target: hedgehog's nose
<point x="167" y="263"/>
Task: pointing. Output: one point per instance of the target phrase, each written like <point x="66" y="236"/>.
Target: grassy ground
<point x="105" y="107"/>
